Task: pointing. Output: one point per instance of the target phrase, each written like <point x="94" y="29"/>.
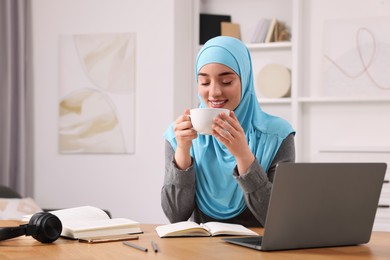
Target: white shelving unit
<point x="268" y="46"/>
<point x="329" y="128"/>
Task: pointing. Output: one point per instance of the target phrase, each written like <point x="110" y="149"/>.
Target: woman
<point x="226" y="176"/>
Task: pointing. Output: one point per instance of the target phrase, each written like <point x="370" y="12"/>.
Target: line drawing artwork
<point x="356" y="57"/>
<point x="97" y="93"/>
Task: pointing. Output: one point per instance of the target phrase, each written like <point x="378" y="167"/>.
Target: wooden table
<point x="202" y="248"/>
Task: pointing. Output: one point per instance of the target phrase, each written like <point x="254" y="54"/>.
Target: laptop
<point x="319" y="205"/>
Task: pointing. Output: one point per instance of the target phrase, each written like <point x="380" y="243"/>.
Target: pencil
<point x="155" y="247"/>
<point x="135" y="246"/>
<point x="107" y="239"/>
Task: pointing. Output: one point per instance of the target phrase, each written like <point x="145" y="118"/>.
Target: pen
<point x="154" y="245"/>
<point x="135" y="246"/>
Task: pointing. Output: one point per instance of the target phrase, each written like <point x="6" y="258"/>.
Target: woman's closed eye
<point x="227" y="82"/>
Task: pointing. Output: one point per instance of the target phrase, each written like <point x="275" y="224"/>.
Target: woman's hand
<point x="228" y="130"/>
<point x="184" y="135"/>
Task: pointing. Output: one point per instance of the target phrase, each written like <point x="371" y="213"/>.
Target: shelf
<point x="355" y="149"/>
<point x="343" y="99"/>
<point x="269" y="46"/>
<point x="266" y="46"/>
<point x="324" y="100"/>
<point x="274" y="100"/>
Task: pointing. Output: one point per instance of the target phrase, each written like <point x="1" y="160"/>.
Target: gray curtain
<point x="16" y="96"/>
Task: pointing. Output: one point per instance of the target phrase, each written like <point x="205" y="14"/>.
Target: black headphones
<point x="44" y="227"/>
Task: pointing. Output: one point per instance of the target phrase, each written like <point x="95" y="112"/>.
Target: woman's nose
<point x="215" y="90"/>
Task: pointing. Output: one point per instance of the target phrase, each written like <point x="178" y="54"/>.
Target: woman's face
<point x="219" y="86"/>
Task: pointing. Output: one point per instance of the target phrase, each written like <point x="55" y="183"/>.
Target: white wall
<point x="356" y="131"/>
<point x="319" y="11"/>
<point x="127" y="185"/>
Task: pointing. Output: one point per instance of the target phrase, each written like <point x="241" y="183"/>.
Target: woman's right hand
<point x="184" y="133"/>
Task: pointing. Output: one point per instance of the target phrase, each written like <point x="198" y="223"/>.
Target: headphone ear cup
<point x="48" y="227"/>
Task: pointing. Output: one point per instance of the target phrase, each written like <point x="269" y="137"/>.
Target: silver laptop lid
<point x="322" y="204"/>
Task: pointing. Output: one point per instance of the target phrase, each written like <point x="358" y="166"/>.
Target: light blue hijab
<point x="217" y="192"/>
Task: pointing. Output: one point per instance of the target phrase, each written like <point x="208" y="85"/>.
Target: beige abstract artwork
<point x="356" y="57"/>
<point x="97" y="93"/>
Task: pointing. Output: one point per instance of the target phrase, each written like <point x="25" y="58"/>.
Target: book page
<point x="80" y="213"/>
<point x="184" y="228"/>
<point x="82" y="224"/>
<point x="218" y="228"/>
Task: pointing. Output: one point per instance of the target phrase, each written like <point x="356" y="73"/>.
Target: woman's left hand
<point x="228" y="130"/>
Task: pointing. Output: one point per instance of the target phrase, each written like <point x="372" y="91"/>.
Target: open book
<point x="189" y="228"/>
<point x="91" y="222"/>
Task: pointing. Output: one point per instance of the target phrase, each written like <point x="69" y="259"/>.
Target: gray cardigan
<point x="178" y="191"/>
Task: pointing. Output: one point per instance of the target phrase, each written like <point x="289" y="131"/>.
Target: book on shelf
<point x="192" y="229"/>
<point x="261" y="30"/>
<point x="277" y="31"/>
<point x="271" y="30"/>
<point x="91" y="222"/>
<point x="230" y="29"/>
<point x="210" y="26"/>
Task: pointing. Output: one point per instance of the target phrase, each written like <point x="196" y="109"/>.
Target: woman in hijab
<point x="226" y="176"/>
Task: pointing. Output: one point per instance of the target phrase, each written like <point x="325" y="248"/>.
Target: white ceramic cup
<point x="202" y="118"/>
